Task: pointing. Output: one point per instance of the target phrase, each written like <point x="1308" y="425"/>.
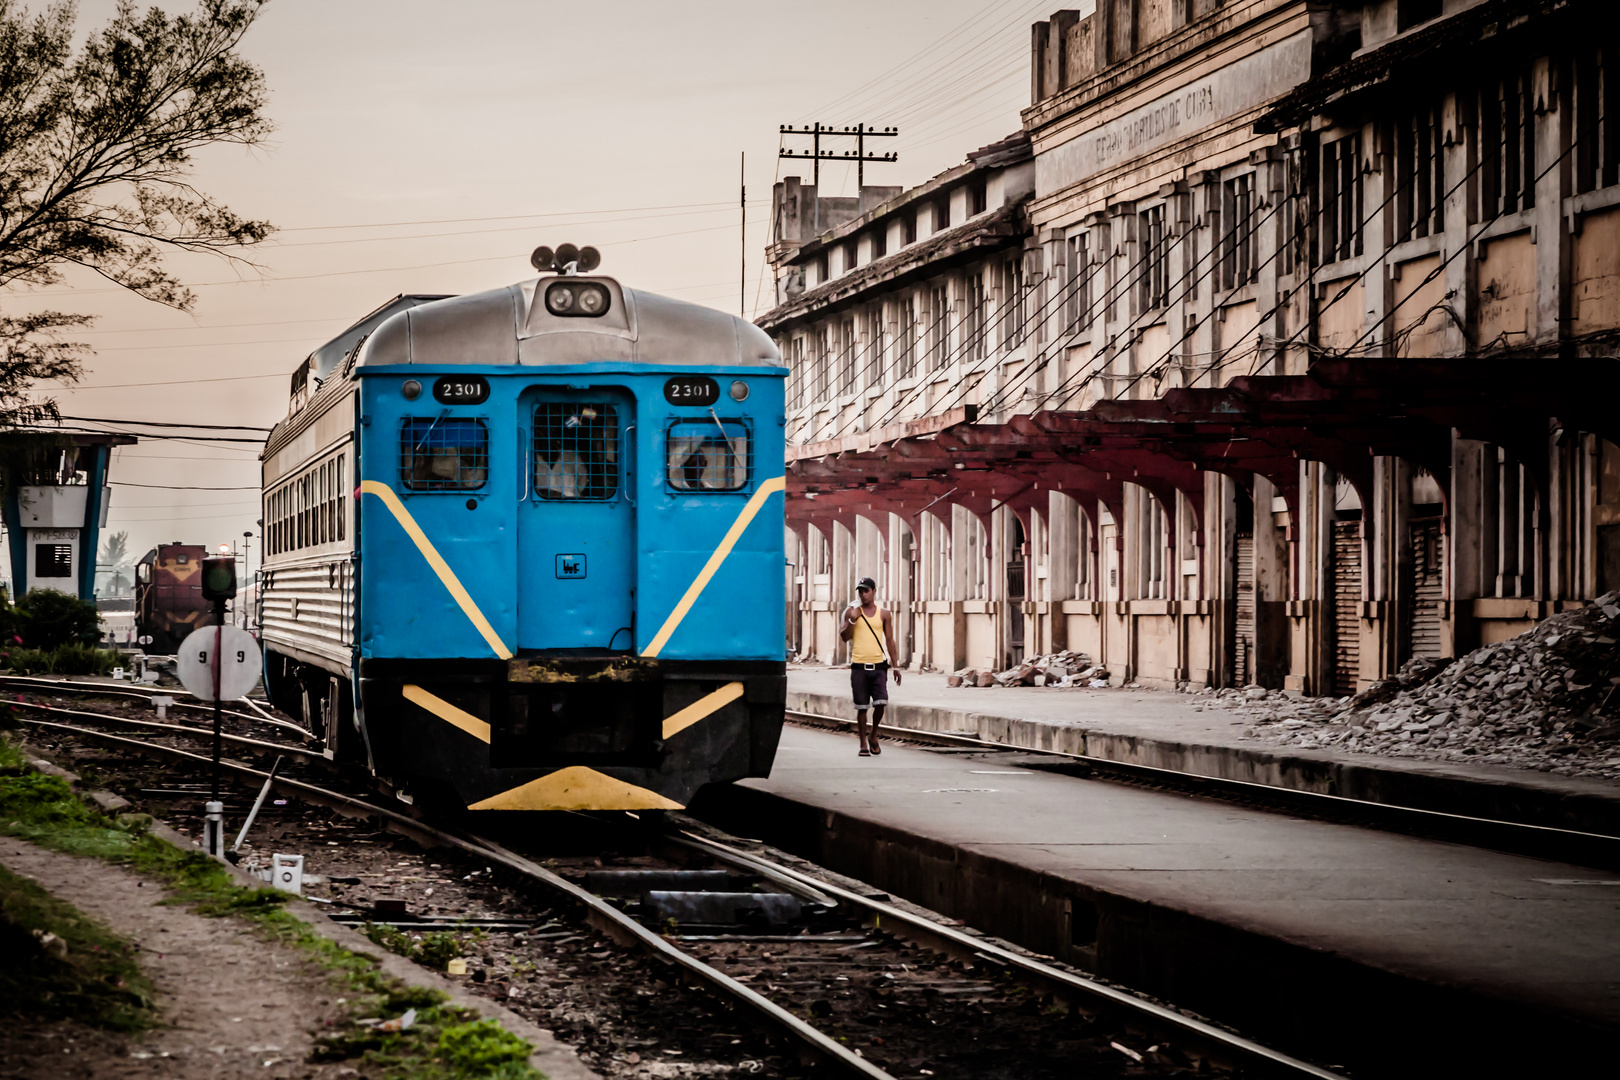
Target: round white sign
<point x="238" y="668"/>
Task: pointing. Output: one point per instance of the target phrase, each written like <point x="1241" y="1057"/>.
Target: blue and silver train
<point x="523" y="548"/>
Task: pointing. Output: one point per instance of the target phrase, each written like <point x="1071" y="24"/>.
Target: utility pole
<point x="742" y="212"/>
<point x="247" y="571"/>
<point x="860" y="133"/>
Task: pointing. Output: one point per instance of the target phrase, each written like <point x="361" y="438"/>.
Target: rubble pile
<point x="1057" y="669"/>
<point x="1548" y="699"/>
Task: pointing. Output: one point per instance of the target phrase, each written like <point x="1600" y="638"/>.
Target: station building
<point x="1286" y="354"/>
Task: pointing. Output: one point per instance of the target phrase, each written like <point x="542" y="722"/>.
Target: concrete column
<point x="1458" y="155"/>
<point x="1378" y="284"/>
<point x="1271" y="588"/>
<point x="1551" y="235"/>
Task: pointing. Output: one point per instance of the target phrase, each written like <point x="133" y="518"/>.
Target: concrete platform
<point x="1191" y="734"/>
<point x="1384" y="953"/>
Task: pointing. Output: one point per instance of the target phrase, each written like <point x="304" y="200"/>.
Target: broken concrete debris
<point x="1059" y="669"/>
<point x="1548" y="699"/>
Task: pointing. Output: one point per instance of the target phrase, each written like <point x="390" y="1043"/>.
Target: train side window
<point x="576" y="450"/>
<point x="143" y="573"/>
<point x="438" y="454"/>
<point x="707" y="455"/>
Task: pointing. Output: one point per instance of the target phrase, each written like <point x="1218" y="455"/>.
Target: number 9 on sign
<point x="239" y="662"/>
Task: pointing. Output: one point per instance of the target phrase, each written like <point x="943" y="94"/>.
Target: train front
<point x="571" y="583"/>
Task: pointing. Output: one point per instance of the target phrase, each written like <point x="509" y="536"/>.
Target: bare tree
<point x="96" y="148"/>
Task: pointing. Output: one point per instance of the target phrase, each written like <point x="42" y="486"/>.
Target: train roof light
<point x="543" y="259"/>
<point x="589" y="259"/>
<point x="584" y="298"/>
<point x="567" y="258"/>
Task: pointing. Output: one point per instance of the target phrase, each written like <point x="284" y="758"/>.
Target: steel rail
<point x="598" y="913"/>
<point x="1214" y="1041"/>
<point x="177" y="729"/>
<point x="1546" y="842"/>
<point x="142" y="694"/>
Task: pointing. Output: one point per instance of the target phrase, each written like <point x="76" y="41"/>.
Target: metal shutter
<point x="1346" y="605"/>
<point x="1243" y="646"/>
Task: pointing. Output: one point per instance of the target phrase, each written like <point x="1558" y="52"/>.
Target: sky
<point x="428" y="148"/>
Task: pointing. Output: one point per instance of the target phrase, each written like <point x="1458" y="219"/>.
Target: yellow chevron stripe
<point x="577" y="788"/>
<point x="702" y="707"/>
<point x="435" y="560"/>
<point x="441" y="708"/>
<point x="733" y="534"/>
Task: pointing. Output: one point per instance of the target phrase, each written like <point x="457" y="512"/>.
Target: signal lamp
<point x="739" y="391"/>
<point x="219" y="578"/>
<point x="543" y="259"/>
<point x="589" y="259"/>
<point x="411" y="389"/>
<point x="566" y="253"/>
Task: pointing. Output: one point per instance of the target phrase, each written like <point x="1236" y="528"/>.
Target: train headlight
<point x="739" y="391"/>
<point x="411" y="389"/>
<point x="578" y="298"/>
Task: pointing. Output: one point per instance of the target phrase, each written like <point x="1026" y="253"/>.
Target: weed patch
<point x="434" y="949"/>
<point x="445" y="1041"/>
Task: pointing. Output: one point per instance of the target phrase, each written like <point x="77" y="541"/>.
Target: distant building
<point x="1320" y="309"/>
<point x="901" y="317"/>
<point x="54" y="517"/>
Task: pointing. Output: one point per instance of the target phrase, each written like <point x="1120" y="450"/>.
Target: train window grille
<point x="708" y="455"/>
<point x="576" y="450"/>
<point x="440" y="454"/>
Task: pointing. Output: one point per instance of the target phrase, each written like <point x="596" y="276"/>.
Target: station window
<point x="576" y="450"/>
<point x="438" y="454"/>
<point x="1153" y="277"/>
<point x="53" y="560"/>
<point x="707" y="455"/>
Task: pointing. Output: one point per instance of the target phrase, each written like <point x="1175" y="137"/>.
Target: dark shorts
<point x="870" y="683"/>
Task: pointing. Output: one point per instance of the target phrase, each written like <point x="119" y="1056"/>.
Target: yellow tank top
<point x="865" y="647"/>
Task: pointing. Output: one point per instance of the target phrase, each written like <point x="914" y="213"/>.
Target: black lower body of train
<point x="547" y="732"/>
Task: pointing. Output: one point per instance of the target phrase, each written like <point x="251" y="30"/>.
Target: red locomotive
<point x="169" y="602"/>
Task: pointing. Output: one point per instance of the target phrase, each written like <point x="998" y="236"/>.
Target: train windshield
<point x="707" y="455"/>
<point x="576" y="450"/>
<point x="440" y="454"/>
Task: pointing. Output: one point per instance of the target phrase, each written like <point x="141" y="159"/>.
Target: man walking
<point x="869" y="630"/>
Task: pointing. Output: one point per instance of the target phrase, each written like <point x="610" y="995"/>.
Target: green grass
<point x="446" y="1042"/>
<point x="94" y="980"/>
<point x="434" y="949"/>
<point x="70" y="659"/>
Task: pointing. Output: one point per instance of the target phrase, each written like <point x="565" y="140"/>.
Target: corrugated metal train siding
<point x="1346" y="605"/>
<point x="310" y="606"/>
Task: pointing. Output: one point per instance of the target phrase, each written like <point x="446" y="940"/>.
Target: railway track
<point x="848" y="979"/>
<point x="1595" y="850"/>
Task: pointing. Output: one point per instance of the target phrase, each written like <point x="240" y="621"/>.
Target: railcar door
<point x="576" y="521"/>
